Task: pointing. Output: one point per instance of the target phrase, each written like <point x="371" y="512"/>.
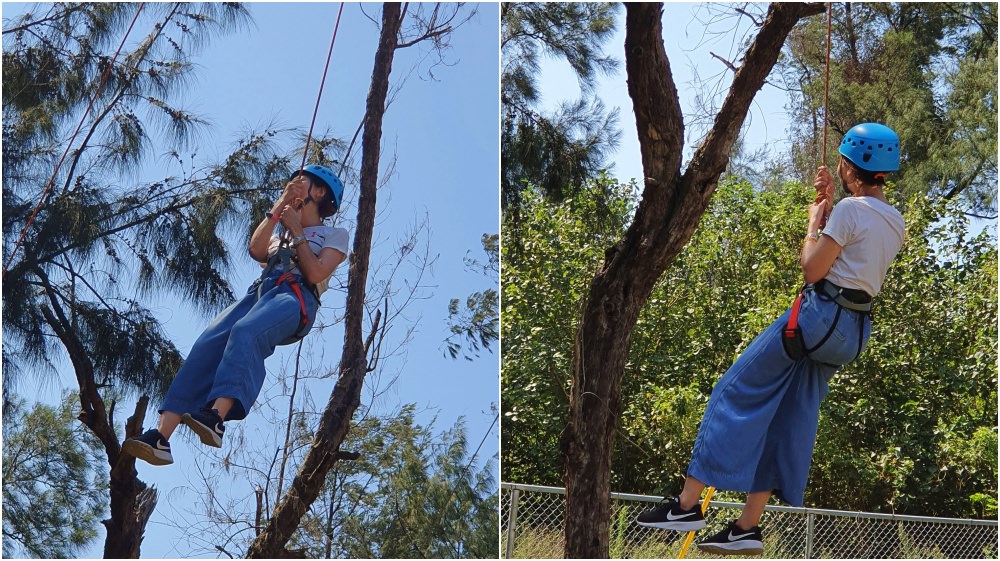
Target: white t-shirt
<point x="871" y="234"/>
<point x="318" y="237"/>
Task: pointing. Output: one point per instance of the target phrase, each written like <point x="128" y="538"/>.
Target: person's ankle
<point x="744" y="526"/>
<point x="687" y="504"/>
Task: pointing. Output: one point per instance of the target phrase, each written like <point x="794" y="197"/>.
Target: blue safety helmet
<point x="334" y="188"/>
<point x="871" y="147"/>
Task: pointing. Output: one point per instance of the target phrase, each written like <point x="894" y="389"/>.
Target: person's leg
<point x="241" y="372"/>
<point x="168" y="422"/>
<point x="691" y="494"/>
<point x="190" y="387"/>
<point x="223" y="405"/>
<point x="788" y="448"/>
<point x="753" y="510"/>
<point x="188" y="391"/>
<point x="740" y="411"/>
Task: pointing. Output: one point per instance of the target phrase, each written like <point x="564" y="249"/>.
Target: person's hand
<point x="294" y="193"/>
<point x="819" y="211"/>
<point x="823" y="184"/>
<point x="291" y="219"/>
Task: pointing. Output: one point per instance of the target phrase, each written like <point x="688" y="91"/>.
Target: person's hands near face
<point x="291" y="219"/>
<point x="294" y="193"/>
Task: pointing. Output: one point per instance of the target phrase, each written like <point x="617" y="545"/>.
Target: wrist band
<point x="272" y="216"/>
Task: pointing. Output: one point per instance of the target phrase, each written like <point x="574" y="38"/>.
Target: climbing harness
<point x="855" y="300"/>
<point x="690" y="535"/>
<point x="284" y="259"/>
<point x="83" y="119"/>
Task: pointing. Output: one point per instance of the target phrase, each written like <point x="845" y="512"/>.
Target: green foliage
<point x="543" y="291"/>
<point x="908" y="428"/>
<point x="477" y="325"/>
<point x="409" y="495"/>
<point x="554" y="152"/>
<point x="412" y="493"/>
<point x="52" y="497"/>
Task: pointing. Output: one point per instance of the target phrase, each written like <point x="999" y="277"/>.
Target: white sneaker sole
<point x="678" y="526"/>
<point x="742" y="547"/>
<point x="206" y="434"/>
<point x="147" y="453"/>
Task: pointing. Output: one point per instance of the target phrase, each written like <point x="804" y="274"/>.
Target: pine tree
<point x="476" y="326"/>
<point x="53" y="497"/>
<point x="553" y="152"/>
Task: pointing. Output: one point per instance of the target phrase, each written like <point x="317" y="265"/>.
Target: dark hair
<point x="865" y="176"/>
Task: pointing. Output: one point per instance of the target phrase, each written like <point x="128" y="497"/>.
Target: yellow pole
<point x="690" y="536"/>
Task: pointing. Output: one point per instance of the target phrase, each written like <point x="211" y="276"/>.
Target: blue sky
<point x="444" y="135"/>
<point x="689" y="40"/>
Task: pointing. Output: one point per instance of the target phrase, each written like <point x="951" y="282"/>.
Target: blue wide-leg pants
<point x="759" y="427"/>
<point x="227" y="360"/>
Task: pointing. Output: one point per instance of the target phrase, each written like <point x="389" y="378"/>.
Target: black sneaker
<point x="150" y="447"/>
<point x="207" y="424"/>
<point x="669" y="515"/>
<point x="734" y="541"/>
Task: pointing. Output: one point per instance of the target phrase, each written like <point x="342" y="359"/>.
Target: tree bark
<point x="346" y="396"/>
<point x="671" y="206"/>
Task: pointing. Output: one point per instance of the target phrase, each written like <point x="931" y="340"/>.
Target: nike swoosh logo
<point x="670" y="515"/>
<point x="733" y="538"/>
<point x="164" y="448"/>
<point x="218" y="428"/>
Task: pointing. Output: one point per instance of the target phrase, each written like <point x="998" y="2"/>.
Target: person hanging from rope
<point x="759" y="428"/>
<point x="224" y="372"/>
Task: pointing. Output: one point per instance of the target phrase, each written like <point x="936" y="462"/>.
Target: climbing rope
<point x="690" y="535"/>
<point x="826" y="94"/>
<point x="329" y="54"/>
<point x="826" y="87"/>
<point x="52" y="180"/>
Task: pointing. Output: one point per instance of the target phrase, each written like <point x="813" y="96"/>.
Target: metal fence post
<point x="511" y="524"/>
<point x="810" y="528"/>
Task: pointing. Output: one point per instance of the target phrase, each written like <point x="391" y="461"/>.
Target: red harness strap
<point x="793" y="319"/>
<point x="290" y="279"/>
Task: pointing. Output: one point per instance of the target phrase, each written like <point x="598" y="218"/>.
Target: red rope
<point x="329" y="54"/>
<point x="826" y="89"/>
<point x="826" y="94"/>
<point x="48" y="188"/>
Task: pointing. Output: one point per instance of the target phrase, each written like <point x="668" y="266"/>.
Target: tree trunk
<point x="346" y="396"/>
<point x="671" y="206"/>
<point x="132" y="501"/>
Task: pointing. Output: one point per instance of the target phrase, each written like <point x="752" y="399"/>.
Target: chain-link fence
<point x="531" y="520"/>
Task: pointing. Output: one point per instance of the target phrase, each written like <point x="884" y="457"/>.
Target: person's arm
<point x="261" y="237"/>
<point x="315" y="269"/>
<point x="819" y="252"/>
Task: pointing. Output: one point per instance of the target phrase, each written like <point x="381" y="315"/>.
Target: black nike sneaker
<point x="734" y="541"/>
<point x="669" y="515"/>
<point x="207" y="424"/>
<point x="150" y="447"/>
